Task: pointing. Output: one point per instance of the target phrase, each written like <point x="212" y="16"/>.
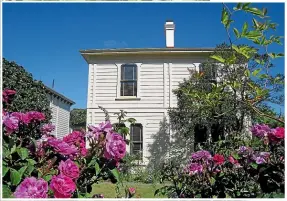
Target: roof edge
<point x="143" y="50"/>
<point x="52" y="91"/>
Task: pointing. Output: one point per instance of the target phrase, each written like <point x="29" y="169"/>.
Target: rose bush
<point x="233" y="167"/>
<point x="36" y="164"/>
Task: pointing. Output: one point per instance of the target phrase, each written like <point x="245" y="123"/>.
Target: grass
<point x="142" y="190"/>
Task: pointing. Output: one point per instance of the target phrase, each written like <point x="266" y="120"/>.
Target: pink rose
<point x="69" y="169"/>
<point x="62" y="186"/>
<point x="22" y="117"/>
<point x="232" y="160"/>
<point x="280" y="132"/>
<point x="115" y="146"/>
<point x="95" y="131"/>
<point x="277" y="134"/>
<point x="74" y="138"/>
<point x="62" y="147"/>
<point x="32" y="188"/>
<point x="36" y="116"/>
<point x="11" y="123"/>
<point x="7" y="94"/>
<point x="218" y="159"/>
<point x="84" y="151"/>
<point x="132" y="191"/>
<point x="47" y="129"/>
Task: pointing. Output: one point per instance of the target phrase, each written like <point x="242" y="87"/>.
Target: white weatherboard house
<point x="60" y="106"/>
<point x="140" y="82"/>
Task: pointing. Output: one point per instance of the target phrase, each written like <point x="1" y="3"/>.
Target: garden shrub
<point x="78" y="119"/>
<point x="235" y="167"/>
<point x="38" y="165"/>
<point x="31" y="94"/>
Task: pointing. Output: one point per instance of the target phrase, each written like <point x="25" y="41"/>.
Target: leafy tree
<point x="31" y="94"/>
<point x="234" y="85"/>
<point x="78" y="118"/>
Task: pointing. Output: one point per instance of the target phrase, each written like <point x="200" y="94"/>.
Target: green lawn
<point x="142" y="190"/>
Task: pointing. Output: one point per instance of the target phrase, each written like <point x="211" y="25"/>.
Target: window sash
<point x="126" y="93"/>
<point x="128" y="79"/>
<point x="138" y="142"/>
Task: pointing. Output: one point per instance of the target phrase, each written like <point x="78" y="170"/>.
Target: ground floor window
<point x="136" y="145"/>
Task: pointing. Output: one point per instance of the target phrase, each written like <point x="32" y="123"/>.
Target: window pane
<point x="137" y="147"/>
<point x="137" y="150"/>
<point x="129" y="72"/>
<point x="136" y="133"/>
<point x="127" y="88"/>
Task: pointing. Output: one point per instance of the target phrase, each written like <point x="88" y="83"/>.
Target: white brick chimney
<point x="169" y="33"/>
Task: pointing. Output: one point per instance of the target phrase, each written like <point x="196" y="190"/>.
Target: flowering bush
<point x="231" y="168"/>
<point x="36" y="164"/>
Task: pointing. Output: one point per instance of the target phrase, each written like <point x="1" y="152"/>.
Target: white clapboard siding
<point x="60" y="116"/>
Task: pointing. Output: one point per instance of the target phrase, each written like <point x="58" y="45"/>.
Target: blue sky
<point x="46" y="38"/>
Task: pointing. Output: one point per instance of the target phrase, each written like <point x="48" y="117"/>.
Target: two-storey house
<point x="139" y="81"/>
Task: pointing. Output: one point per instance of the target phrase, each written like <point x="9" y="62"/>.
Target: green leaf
<point x="6" y="192"/>
<point x="131" y="120"/>
<point x="263" y="76"/>
<point x="29" y="170"/>
<point x="5" y="169"/>
<point x="47" y="177"/>
<point x="23" y="153"/>
<point x="15" y="177"/>
<point x="224" y="17"/>
<point x="254" y="73"/>
<point x="97" y="168"/>
<point x="115" y="173"/>
<point x="255" y="23"/>
<point x="92" y="162"/>
<point x="245" y="5"/>
<point x="31" y="161"/>
<point x="218" y="58"/>
<point x="13" y="149"/>
<point x="124" y="130"/>
<point x="253" y="34"/>
<point x="254" y="11"/>
<point x="212" y="180"/>
<point x="245" y="27"/>
<point x="274" y="55"/>
<point x="156" y="192"/>
<point x="236" y="156"/>
<point x="238" y="6"/>
<point x="247" y="73"/>
<point x="236" y="32"/>
<point x="254" y="165"/>
<point x="22" y="170"/>
<point x="5" y="152"/>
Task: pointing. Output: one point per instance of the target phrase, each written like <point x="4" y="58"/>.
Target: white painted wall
<point x="156" y="80"/>
<point x="60" y="116"/>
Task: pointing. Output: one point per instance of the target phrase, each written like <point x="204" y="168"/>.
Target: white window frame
<point x="119" y="68"/>
<point x="142" y="141"/>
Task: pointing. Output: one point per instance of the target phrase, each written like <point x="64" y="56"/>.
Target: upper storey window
<point x="128" y="80"/>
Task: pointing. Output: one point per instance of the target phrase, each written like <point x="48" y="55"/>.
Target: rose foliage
<point x="232" y="168"/>
<point x="36" y="164"/>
